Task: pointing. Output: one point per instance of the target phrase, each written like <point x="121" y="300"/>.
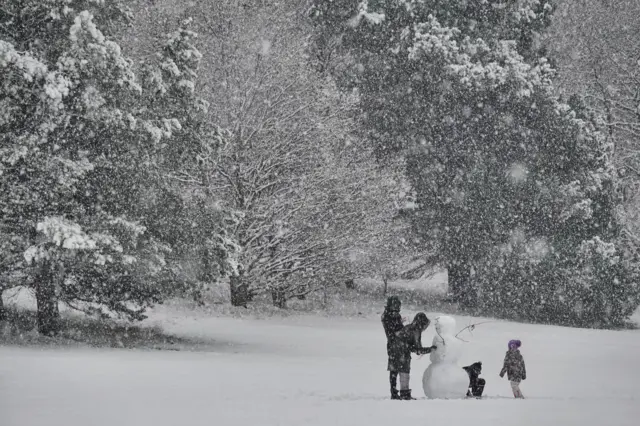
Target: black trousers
<point x="393" y="379"/>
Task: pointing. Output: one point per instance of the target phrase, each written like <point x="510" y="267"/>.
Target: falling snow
<point x="240" y="186"/>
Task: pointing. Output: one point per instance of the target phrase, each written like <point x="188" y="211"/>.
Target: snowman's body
<point x="444" y="378"/>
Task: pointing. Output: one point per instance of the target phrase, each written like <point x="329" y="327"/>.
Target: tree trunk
<point x="325" y="298"/>
<point x="47" y="301"/>
<point x="279" y="298"/>
<point x="455" y="281"/>
<point x="461" y="288"/>
<point x="3" y="312"/>
<point x="385" y="281"/>
<point x="240" y="292"/>
<point x="206" y="274"/>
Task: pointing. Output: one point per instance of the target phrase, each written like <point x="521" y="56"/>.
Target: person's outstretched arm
<point x="504" y="366"/>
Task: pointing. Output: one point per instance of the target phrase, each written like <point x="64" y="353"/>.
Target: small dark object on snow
<point x="476" y="384"/>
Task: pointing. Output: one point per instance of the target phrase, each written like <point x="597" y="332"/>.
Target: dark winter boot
<point x="405" y="395"/>
<point x="394" y="393"/>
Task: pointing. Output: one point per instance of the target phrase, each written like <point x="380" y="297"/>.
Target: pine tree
<point x="495" y="159"/>
<point x="79" y="154"/>
<point x="403" y="56"/>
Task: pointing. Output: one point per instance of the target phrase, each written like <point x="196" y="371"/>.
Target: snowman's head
<point x="445" y="325"/>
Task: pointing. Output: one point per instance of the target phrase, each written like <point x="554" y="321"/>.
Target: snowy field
<point x="316" y="371"/>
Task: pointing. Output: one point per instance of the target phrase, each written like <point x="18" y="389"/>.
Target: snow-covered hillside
<point x="316" y="371"/>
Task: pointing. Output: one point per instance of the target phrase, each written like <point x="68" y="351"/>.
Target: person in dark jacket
<point x="475" y="382"/>
<point x="514" y="367"/>
<point x="392" y="323"/>
<point x="408" y="340"/>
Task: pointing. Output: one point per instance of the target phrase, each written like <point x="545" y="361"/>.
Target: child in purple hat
<point x="514" y="367"/>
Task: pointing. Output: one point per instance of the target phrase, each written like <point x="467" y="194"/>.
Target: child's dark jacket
<point x="514" y="366"/>
<point x="407" y="340"/>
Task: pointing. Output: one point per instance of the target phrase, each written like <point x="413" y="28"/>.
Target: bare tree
<point x="305" y="186"/>
<point x="597" y="47"/>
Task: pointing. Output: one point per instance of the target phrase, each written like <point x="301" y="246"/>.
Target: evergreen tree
<point x="493" y="156"/>
<point x="79" y="152"/>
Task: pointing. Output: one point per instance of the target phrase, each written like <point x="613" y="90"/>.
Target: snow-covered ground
<point x="316" y="371"/>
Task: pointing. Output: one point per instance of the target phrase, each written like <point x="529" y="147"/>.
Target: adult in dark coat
<point x="392" y="323"/>
<point x="408" y="340"/>
<point x="475" y="383"/>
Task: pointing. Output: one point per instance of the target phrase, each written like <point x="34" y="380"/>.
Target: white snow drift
<point x="307" y="371"/>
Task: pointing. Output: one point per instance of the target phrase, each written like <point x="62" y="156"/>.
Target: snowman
<point x="444" y="378"/>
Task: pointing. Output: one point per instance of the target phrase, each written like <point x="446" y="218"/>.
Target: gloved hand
<point x="430" y="349"/>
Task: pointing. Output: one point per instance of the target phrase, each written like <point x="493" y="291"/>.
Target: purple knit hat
<point x="514" y="344"/>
